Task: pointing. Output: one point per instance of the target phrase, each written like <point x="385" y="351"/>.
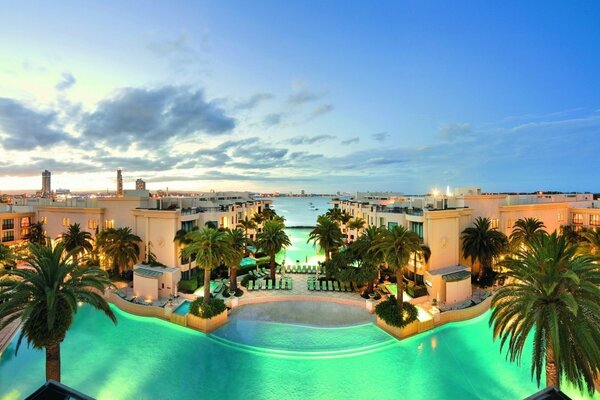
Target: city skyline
<point x="283" y="97"/>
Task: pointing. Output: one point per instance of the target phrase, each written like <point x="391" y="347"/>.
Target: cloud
<point x="168" y="47"/>
<point x="454" y="131"/>
<point x="353" y="140"/>
<point x="310" y="139"/>
<point x="320" y="110"/>
<point x="272" y="119"/>
<point x="380" y="136"/>
<point x="28" y="129"/>
<point x="303" y="96"/>
<point x="153" y="116"/>
<point x="253" y="101"/>
<point x="66" y="82"/>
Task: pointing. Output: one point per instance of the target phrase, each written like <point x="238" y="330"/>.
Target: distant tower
<point x="46" y="183"/>
<point x="119" y="183"/>
<point x="140" y="184"/>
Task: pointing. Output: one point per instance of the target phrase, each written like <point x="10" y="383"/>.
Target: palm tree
<point x="238" y="240"/>
<point x="483" y="244"/>
<point x="212" y="248"/>
<point x="247" y="224"/>
<point x="182" y="240"/>
<point x="121" y="246"/>
<point x="77" y="241"/>
<point x="524" y="230"/>
<point x="271" y="241"/>
<point x="552" y="295"/>
<point x="363" y="247"/>
<point x="591" y="241"/>
<point x="423" y="253"/>
<point x="357" y="224"/>
<point x="334" y="214"/>
<point x="396" y="245"/>
<point x="268" y="213"/>
<point x="327" y="235"/>
<point x="7" y="257"/>
<point x="258" y="219"/>
<point x="45" y="296"/>
<point x="36" y="233"/>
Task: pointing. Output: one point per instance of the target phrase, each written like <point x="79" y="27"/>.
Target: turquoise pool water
<point x="183" y="308"/>
<point x="300" y="252"/>
<point x="145" y="358"/>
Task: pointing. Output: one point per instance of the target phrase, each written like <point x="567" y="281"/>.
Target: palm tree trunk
<point x="53" y="362"/>
<point x="551" y="370"/>
<point x="206" y="285"/>
<point x="370" y="286"/>
<point x="415" y="271"/>
<point x="272" y="267"/>
<point x="233" y="279"/>
<point x="400" y="290"/>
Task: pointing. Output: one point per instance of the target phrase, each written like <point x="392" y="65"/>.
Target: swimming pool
<point x="183" y="308"/>
<point x="146" y="358"/>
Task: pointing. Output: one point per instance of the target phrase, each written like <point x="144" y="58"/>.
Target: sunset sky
<point x="322" y="96"/>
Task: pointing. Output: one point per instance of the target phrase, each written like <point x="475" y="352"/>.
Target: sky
<point x="309" y="95"/>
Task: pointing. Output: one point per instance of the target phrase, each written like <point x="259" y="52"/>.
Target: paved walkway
<point x="7" y="334"/>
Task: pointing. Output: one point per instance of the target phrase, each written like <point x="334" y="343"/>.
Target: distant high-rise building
<point x="140" y="184"/>
<point x="46" y="183"/>
<point x="302" y="192"/>
<point x="119" y="183"/>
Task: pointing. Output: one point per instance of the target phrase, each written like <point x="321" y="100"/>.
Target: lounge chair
<point x="318" y="286"/>
<point x="270" y="284"/>
<point x="336" y="286"/>
<point x="330" y="286"/>
<point x="278" y="269"/>
<point x="311" y="285"/>
<point x="343" y="286"/>
<point x="250" y="285"/>
<point x="218" y="287"/>
<point x="264" y="271"/>
<point x="288" y="268"/>
<point x="277" y="285"/>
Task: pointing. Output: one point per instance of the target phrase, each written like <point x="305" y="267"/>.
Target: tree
<point x="238" y="240"/>
<point x="552" y="295"/>
<point x="334" y="214"/>
<point x="182" y="240"/>
<point x="363" y="248"/>
<point x="524" y="230"/>
<point x="357" y="224"/>
<point x="327" y="235"/>
<point x="591" y="241"/>
<point x="76" y="241"/>
<point x="212" y="248"/>
<point x="36" y="233"/>
<point x="247" y="224"/>
<point x="571" y="234"/>
<point x="483" y="244"/>
<point x="258" y="219"/>
<point x="121" y="246"/>
<point x="423" y="253"/>
<point x="7" y="257"/>
<point x="396" y="245"/>
<point x="45" y="296"/>
<point x="271" y="241"/>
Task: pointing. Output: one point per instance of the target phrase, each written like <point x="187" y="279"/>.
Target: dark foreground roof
<point x="550" y="393"/>
<point x="53" y="390"/>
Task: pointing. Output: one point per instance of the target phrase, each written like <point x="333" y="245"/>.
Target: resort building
<point x="15" y="222"/>
<point x="154" y="283"/>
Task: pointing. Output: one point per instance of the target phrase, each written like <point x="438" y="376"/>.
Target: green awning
<point x="147" y="273"/>
<point x="456" y="276"/>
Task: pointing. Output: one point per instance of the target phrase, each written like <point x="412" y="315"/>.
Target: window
<point x="8" y="224"/>
<point x="577" y="219"/>
<point x="92" y="224"/>
<point x="24" y="232"/>
<point x="595" y="220"/>
<point x="417" y="227"/>
<point x="44" y="220"/>
<point x="25" y="222"/>
<point x="109" y="224"/>
<point x="495" y="223"/>
<point x="8" y="236"/>
<point x="381" y="221"/>
<point x="391" y="225"/>
<point x="66" y="222"/>
<point x="509" y="223"/>
<point x="560" y="217"/>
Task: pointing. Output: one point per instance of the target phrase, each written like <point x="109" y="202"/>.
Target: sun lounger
<point x="336" y="286"/>
<point x="288" y="283"/>
<point x="277" y="285"/>
<point x="270" y="285"/>
<point x="257" y="284"/>
<point x="330" y="286"/>
<point x="278" y="269"/>
<point x="318" y="286"/>
<point x="288" y="268"/>
<point x="250" y="285"/>
<point x="311" y="285"/>
<point x="343" y="286"/>
<point x="218" y="287"/>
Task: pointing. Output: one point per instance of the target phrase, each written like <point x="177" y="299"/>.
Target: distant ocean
<point x="297" y="210"/>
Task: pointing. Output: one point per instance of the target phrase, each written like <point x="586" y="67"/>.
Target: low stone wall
<point x="136" y="309"/>
<point x="206" y="325"/>
<point x="400" y="333"/>
<point x="465" y="313"/>
<point x="178" y="319"/>
<point x="325" y="299"/>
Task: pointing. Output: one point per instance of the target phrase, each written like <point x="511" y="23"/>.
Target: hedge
<point x="416" y="291"/>
<point x="208" y="310"/>
<point x="188" y="285"/>
<point x="388" y="311"/>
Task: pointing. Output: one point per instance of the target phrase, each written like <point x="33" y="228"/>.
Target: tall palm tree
<point x="45" y="296"/>
<point x="552" y="295"/>
<point x="591" y="241"/>
<point x="271" y="241"/>
<point x="258" y="219"/>
<point x="423" y="253"/>
<point x="238" y="240"/>
<point x="36" y="233"/>
<point x="181" y="239"/>
<point x="571" y="234"/>
<point x="247" y="224"/>
<point x="334" y="214"/>
<point x="396" y="245"/>
<point x="363" y="248"/>
<point x="7" y="257"/>
<point x="76" y="241"/>
<point x="524" y="230"/>
<point x="212" y="248"/>
<point x="268" y="213"/>
<point x="121" y="246"/>
<point x="482" y="243"/>
<point x="357" y="224"/>
<point x="327" y="235"/>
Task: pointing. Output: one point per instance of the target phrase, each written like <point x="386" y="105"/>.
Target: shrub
<point x="239" y="292"/>
<point x="416" y="291"/>
<point x="208" y="310"/>
<point x="188" y="285"/>
<point x="388" y="311"/>
<point x="246" y="279"/>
